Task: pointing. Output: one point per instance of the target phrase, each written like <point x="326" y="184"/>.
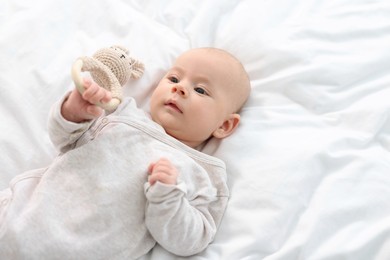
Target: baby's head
<point x="200" y="96"/>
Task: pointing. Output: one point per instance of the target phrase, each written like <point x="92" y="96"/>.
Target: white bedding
<point x="309" y="167"/>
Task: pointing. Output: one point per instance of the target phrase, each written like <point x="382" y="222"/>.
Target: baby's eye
<point x="200" y="91"/>
<point x="173" y="79"/>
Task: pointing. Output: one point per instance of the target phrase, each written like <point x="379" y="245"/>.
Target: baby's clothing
<point x="94" y="201"/>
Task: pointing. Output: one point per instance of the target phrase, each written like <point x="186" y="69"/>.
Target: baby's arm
<point x="78" y="107"/>
<point x="181" y="225"/>
<point x="71" y="116"/>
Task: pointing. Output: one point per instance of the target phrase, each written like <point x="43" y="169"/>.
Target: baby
<point x="127" y="180"/>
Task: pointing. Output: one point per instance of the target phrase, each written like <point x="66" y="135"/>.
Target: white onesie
<point x="94" y="201"/>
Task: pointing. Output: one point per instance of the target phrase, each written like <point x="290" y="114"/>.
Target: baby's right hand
<point x="78" y="107"/>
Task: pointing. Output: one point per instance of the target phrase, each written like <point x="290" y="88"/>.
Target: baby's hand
<point x="93" y="93"/>
<point x="81" y="107"/>
<point x="162" y="171"/>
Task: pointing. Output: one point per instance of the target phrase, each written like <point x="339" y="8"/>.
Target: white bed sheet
<point x="309" y="167"/>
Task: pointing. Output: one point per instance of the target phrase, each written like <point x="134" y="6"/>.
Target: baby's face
<point x="194" y="97"/>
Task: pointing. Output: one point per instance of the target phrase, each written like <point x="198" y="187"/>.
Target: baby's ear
<point x="227" y="127"/>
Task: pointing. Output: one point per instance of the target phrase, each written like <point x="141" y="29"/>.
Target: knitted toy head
<point x="110" y="68"/>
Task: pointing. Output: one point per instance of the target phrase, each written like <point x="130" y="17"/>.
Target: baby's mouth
<point x="174" y="106"/>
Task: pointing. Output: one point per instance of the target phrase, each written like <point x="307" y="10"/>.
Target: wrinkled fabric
<point x="94" y="201"/>
<point x="308" y="167"/>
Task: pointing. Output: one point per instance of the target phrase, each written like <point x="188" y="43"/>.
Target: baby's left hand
<point x="162" y="171"/>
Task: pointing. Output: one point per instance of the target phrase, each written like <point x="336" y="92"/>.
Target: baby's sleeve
<point x="63" y="133"/>
<point x="183" y="226"/>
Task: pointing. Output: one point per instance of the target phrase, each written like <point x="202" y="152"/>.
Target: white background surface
<point x="309" y="167"/>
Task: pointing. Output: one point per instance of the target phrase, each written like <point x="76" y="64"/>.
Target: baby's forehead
<point x="205" y="61"/>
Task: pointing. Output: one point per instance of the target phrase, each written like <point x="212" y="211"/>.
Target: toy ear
<point x="137" y="68"/>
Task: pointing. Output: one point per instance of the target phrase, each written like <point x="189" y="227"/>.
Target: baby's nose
<point x="180" y="90"/>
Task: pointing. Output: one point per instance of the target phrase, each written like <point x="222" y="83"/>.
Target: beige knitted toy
<point x="111" y="68"/>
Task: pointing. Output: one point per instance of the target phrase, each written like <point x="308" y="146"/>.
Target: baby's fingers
<point x="95" y="94"/>
<point x="162" y="171"/>
<point x="93" y="111"/>
<point x="162" y="177"/>
<point x="87" y="82"/>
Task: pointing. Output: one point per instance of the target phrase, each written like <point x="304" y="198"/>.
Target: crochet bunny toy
<point x="111" y="68"/>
